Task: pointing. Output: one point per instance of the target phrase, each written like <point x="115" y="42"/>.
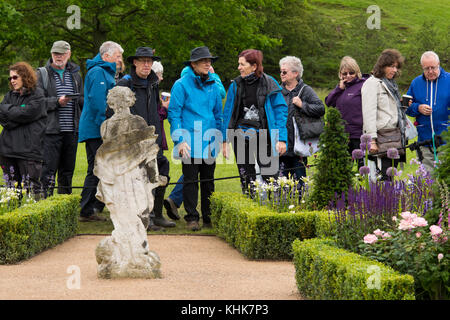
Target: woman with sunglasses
<point x="254" y="120"/>
<point x="346" y="97"/>
<point x="23" y="117"/>
<point x="301" y="99"/>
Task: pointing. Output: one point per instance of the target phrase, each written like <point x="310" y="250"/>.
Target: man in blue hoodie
<point x="100" y="78"/>
<point x="430" y="106"/>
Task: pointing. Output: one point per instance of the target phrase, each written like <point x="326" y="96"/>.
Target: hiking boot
<point x="193" y="225"/>
<point x="153" y="227"/>
<point x="163" y="222"/>
<point x="207" y="225"/>
<point x="171" y="208"/>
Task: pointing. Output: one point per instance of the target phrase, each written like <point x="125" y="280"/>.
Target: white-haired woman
<point x="300" y="99"/>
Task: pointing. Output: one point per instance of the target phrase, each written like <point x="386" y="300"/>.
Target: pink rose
<point x="418" y="235"/>
<point x="435" y="230"/>
<point x="420" y="222"/>
<point x="378" y="233"/>
<point x="386" y="235"/>
<point x="406" y="215"/>
<point x="440" y="256"/>
<point x="370" y="238"/>
<point x="406" y="224"/>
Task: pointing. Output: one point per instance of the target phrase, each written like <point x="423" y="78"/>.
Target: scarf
<point x="393" y="88"/>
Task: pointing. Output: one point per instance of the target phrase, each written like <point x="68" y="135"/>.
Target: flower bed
<point x="324" y="271"/>
<point x="259" y="232"/>
<point x="31" y="229"/>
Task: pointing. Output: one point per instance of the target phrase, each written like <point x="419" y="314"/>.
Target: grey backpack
<point x="44" y="75"/>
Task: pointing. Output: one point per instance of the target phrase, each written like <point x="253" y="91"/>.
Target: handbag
<point x="308" y="127"/>
<point x="389" y="138"/>
<point x="304" y="148"/>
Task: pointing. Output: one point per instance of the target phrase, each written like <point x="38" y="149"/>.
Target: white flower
<point x="291" y="207"/>
<point x="292" y="211"/>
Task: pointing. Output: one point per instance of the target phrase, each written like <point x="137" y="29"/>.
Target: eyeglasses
<point x="430" y="68"/>
<point x="344" y="74"/>
<point x="145" y="61"/>
<point x="13" y="78"/>
<point x="284" y="72"/>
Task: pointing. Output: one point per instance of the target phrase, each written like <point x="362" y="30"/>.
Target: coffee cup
<point x="165" y="96"/>
<point x="406" y="99"/>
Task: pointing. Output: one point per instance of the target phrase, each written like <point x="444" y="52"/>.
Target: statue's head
<point x="120" y="98"/>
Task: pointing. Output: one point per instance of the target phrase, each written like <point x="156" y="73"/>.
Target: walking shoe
<point x="207" y="225"/>
<point x="193" y="225"/>
<point x="163" y="222"/>
<point x="171" y="208"/>
<point x="153" y="227"/>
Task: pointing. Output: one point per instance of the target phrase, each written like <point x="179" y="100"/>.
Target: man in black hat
<point x="195" y="108"/>
<point x="143" y="81"/>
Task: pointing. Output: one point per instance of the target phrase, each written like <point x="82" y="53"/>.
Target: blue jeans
<point x="177" y="193"/>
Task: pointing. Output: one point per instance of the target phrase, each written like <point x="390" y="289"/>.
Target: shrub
<point x="324" y="271"/>
<point x="31" y="229"/>
<point x="333" y="172"/>
<point x="256" y="231"/>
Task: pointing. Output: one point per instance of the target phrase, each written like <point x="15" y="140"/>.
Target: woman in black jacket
<point x="302" y="101"/>
<point x="23" y="117"/>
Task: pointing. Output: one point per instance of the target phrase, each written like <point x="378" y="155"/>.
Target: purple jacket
<point x="348" y="102"/>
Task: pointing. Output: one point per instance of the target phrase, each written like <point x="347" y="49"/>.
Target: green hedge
<point x="29" y="230"/>
<point x="324" y="271"/>
<point x="257" y="231"/>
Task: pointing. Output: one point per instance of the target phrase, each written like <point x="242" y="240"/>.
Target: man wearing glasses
<point x="143" y="81"/>
<point x="431" y="105"/>
<point x="63" y="89"/>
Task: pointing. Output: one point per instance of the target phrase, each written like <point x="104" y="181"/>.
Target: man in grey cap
<point x="63" y="89"/>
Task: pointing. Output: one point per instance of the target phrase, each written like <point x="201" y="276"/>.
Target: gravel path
<point x="193" y="268"/>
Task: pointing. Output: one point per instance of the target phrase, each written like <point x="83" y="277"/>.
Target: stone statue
<point x="127" y="169"/>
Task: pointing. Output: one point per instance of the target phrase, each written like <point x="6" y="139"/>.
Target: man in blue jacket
<point x="99" y="80"/>
<point x="430" y="106"/>
<point x="195" y="117"/>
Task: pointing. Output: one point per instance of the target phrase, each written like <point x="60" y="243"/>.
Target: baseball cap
<point x="60" y="47"/>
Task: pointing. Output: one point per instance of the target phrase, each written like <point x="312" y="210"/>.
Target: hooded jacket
<point x="147" y="98"/>
<point x="51" y="99"/>
<point x="195" y="115"/>
<point x="23" y="117"/>
<point x="349" y="104"/>
<point x="268" y="95"/>
<point x="99" y="80"/>
<point x="421" y="90"/>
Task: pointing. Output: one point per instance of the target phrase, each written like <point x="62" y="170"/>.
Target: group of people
<point x="47" y="113"/>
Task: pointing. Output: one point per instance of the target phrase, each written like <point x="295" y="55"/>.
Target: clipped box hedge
<point x="324" y="271"/>
<point x="29" y="230"/>
<point x="257" y="231"/>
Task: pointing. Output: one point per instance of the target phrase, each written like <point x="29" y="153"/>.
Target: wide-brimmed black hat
<point x="143" y="52"/>
<point x="200" y="53"/>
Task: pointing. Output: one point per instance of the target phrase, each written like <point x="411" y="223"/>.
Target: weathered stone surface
<point x="126" y="166"/>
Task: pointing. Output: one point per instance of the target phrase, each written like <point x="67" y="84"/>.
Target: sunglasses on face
<point x="284" y="72"/>
<point x="13" y="78"/>
<point x="344" y="74"/>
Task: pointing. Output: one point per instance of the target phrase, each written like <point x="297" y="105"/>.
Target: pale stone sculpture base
<point x="127" y="169"/>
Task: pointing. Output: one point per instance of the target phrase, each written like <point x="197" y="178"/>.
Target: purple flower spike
<point x="391" y="172"/>
<point x="364" y="170"/>
<point x="365" y="138"/>
<point x="357" y="154"/>
<point x="392" y="153"/>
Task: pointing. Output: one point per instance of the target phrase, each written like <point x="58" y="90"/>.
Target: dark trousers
<point x="385" y="164"/>
<point x="88" y="200"/>
<point x="287" y="165"/>
<point x="60" y="153"/>
<point x="21" y="171"/>
<point x="252" y="151"/>
<point x="355" y="144"/>
<point x="159" y="192"/>
<point x="192" y="171"/>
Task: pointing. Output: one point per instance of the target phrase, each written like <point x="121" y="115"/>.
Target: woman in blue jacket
<point x="255" y="117"/>
<point x="195" y="117"/>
